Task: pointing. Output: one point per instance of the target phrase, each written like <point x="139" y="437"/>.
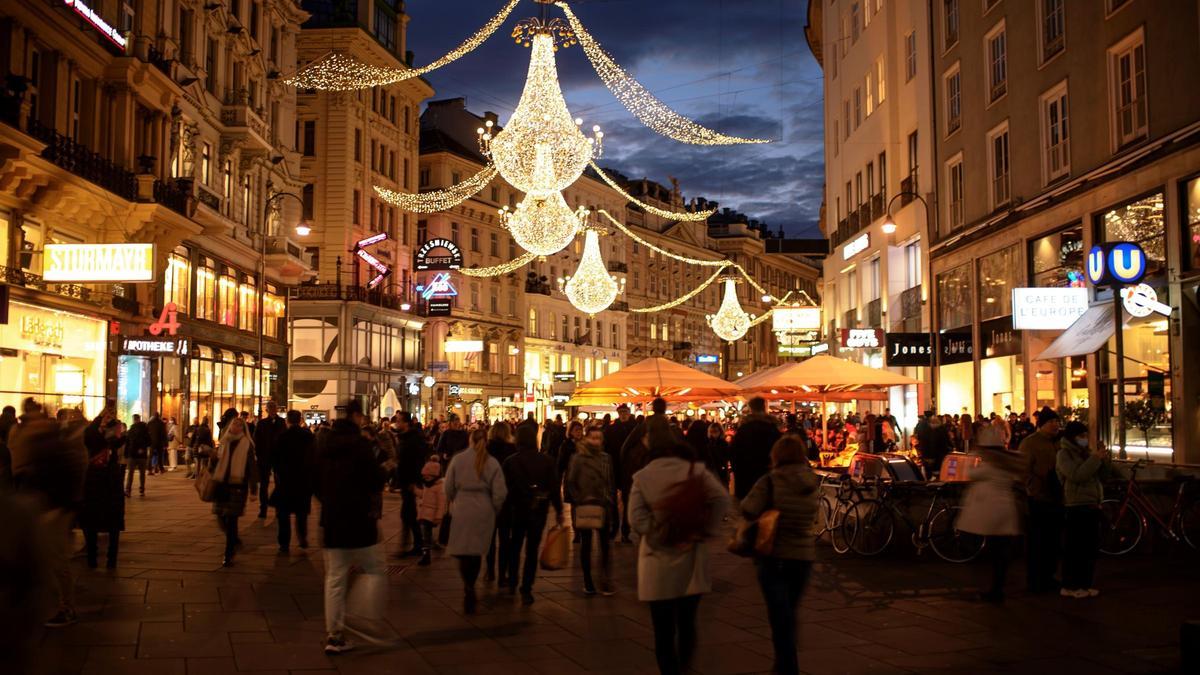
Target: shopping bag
<point x="557" y="549"/>
<point x="589" y="516"/>
<point x="206" y="485"/>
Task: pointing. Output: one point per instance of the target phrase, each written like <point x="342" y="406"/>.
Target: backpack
<point x="682" y="513"/>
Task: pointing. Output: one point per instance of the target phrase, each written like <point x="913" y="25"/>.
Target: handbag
<point x="589" y="516"/>
<point x="207" y="485"/>
<point x="557" y="549"/>
<point x="757" y="537"/>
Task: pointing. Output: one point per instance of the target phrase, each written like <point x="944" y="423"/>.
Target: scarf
<point x="237" y="451"/>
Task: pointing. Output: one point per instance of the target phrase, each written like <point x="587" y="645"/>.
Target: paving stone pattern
<point x="171" y="609"/>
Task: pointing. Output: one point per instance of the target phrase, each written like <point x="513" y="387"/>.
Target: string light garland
<point x="638" y="100"/>
<point x="339" y="72"/>
<point x="591" y="289"/>
<point x="541" y="149"/>
<point x="439" y="200"/>
<point x="762" y="318"/>
<point x="661" y="251"/>
<point x="661" y="213"/>
<point x="731" y="322"/>
<point x="681" y="299"/>
<point x="503" y="268"/>
<point x="543" y="226"/>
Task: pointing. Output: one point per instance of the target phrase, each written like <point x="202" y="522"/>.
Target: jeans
<point x="284" y="522"/>
<point x="526" y="528"/>
<point x="502" y="540"/>
<point x="408" y="518"/>
<point x="1045" y="533"/>
<point x="782" y="583"/>
<point x="229" y="525"/>
<point x="1083" y="547"/>
<point x="674" y="632"/>
<point x="264" y="485"/>
<point x="426" y="529"/>
<point x="338" y="562"/>
<point x="585" y="556"/>
<point x="91" y="538"/>
<point x="139" y="465"/>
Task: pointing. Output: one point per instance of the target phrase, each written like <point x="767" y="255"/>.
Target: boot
<point x="425" y="560"/>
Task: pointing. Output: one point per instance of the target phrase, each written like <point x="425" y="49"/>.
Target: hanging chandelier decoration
<point x="591" y="289"/>
<point x="638" y="100"/>
<point x="338" y="72"/>
<point x="438" y="200"/>
<point x="730" y="322"/>
<point x="541" y="149"/>
<point x="543" y="226"/>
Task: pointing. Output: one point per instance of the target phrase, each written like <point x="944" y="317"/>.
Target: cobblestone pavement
<point x="170" y="609"/>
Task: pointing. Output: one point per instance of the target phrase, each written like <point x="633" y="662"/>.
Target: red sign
<point x="167" y="321"/>
<point x="861" y="338"/>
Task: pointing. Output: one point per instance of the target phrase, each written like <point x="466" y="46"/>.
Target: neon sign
<point x="91" y="16"/>
<point x="376" y="264"/>
<point x="440" y="287"/>
<point x="451" y="260"/>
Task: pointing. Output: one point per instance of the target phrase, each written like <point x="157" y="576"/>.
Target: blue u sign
<point x="1119" y="262"/>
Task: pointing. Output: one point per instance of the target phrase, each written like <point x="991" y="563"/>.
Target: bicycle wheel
<point x="873" y="527"/>
<point x="822" y="518"/>
<point x="1121" y="527"/>
<point x="1189" y="523"/>
<point x="841" y="532"/>
<point x="950" y="543"/>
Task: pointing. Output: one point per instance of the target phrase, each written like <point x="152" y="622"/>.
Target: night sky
<point x="739" y="66"/>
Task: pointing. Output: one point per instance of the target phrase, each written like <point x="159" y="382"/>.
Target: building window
<point x="949" y="23"/>
<point x="227" y="299"/>
<point x="247" y="304"/>
<point x="858" y="109"/>
<point x="955" y="298"/>
<point x="1192" y="220"/>
<point x="835" y="137"/>
<point x="1127" y="70"/>
<point x="422" y="232"/>
<point x="385" y="26"/>
<point x="355" y="206"/>
<point x="1056" y="136"/>
<point x="998" y="165"/>
<point x="310" y="138"/>
<point x="455" y="178"/>
<point x="868" y="84"/>
<point x="883" y="176"/>
<point x="1057" y="259"/>
<point x="512" y="249"/>
<point x="494" y="244"/>
<point x="454" y="233"/>
<point x="423" y="178"/>
<point x="307" y="200"/>
<point x="996" y="42"/>
<point x="1053" y="27"/>
<point x="913" y="271"/>
<point x="533" y="324"/>
<point x="880" y="81"/>
<point x="999" y="273"/>
<point x="910" y="56"/>
<point x="206" y="164"/>
<point x="1114" y="5"/>
<point x="177" y="285"/>
<point x="954" y="181"/>
<point x="953" y="100"/>
<point x="846" y="116"/>
<point x="833" y="61"/>
<point x="855" y="22"/>
<point x="914" y="161"/>
<point x="358" y="145"/>
<point x="206" y="290"/>
<point x="475" y="239"/>
<point x="247" y="201"/>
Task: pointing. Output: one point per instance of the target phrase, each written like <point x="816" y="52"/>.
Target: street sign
<point x="1142" y="300"/>
<point x="1118" y="262"/>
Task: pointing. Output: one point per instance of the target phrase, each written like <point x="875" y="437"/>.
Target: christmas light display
<point x="543" y="226"/>
<point x="661" y="213"/>
<point x="439" y="200"/>
<point x="683" y="298"/>
<point x="591" y="289"/>
<point x="497" y="270"/>
<point x="730" y="322"/>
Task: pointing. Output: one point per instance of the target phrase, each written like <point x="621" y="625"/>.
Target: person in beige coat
<point x="673" y="576"/>
<point x="990" y="506"/>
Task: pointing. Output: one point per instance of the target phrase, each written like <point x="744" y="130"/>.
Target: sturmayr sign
<point x="89" y="263"/>
<point x="438" y="254"/>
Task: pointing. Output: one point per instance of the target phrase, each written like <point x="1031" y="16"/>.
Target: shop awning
<point x="1089" y="333"/>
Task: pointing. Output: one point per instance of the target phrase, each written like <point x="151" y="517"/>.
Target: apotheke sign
<point x="856" y="246"/>
<point x="152" y="346"/>
<point x="1047" y="308"/>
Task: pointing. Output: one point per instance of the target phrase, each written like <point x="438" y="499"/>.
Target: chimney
<point x="489" y="116"/>
<point x="408" y="58"/>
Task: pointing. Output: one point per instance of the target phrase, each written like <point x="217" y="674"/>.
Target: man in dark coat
<point x="137" y="451"/>
<point x="157" y="429"/>
<point x="615" y="435"/>
<point x="454" y="439"/>
<point x="294" y="465"/>
<point x="553" y="435"/>
<point x="103" y="502"/>
<point x="8" y="420"/>
<point x="750" y="452"/>
<point x="933" y="443"/>
<point x="533" y="487"/>
<point x="411" y="454"/>
<point x="350" y="489"/>
<point x="266" y="435"/>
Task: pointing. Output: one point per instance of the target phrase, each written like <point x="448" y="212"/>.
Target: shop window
<point x="273" y="311"/>
<point x="206" y="290"/>
<point x="999" y="273"/>
<point x="533" y="322"/>
<point x="1192" y="223"/>
<point x="1057" y="259"/>
<point x="177" y="284"/>
<point x="955" y="298"/>
<point x="314" y="340"/>
<point x="1140" y="222"/>
<point x="248" y="305"/>
<point x="227" y="299"/>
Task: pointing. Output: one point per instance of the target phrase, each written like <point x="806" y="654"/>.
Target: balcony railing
<point x="877" y="206"/>
<point x="875" y="313"/>
<point x="347" y="294"/>
<point x="173" y="194"/>
<point x="908" y="188"/>
<point x="619" y="306"/>
<point x="14" y="276"/>
<point x="618" y="266"/>
<point x="207" y="197"/>
<point x="910" y="302"/>
<point x="537" y="286"/>
<point x="64" y="152"/>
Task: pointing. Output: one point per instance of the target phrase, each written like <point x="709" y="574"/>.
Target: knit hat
<point x="1046" y="415"/>
<point x="432" y="469"/>
<point x="1075" y="429"/>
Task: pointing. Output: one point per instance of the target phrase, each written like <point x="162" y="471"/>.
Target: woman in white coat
<point x="476" y="489"/>
<point x="672" y="576"/>
<point x="990" y="507"/>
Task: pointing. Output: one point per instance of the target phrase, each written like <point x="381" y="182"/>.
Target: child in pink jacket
<point x="431" y="504"/>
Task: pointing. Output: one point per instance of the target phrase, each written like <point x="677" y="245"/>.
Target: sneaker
<point x="607" y="590"/>
<point x="1092" y="592"/>
<point x="1072" y="593"/>
<point x="63" y="618"/>
<point x="336" y="645"/>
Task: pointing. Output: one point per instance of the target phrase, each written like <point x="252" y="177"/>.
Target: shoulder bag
<point x="757" y="537"/>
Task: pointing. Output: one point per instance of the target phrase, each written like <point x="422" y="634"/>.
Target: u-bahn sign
<point x="1118" y="262"/>
<point x="436" y="255"/>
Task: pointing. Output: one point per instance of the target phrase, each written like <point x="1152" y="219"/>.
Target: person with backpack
<point x="1040" y="454"/>
<point x="591" y="483"/>
<point x="674" y="505"/>
<point x="791" y="489"/>
<point x="476" y="489"/>
<point x="137" y="454"/>
<point x="533" y="487"/>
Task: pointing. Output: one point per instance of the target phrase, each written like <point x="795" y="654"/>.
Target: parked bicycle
<point x="1125" y="519"/>
<point x="831" y="512"/>
<point x="872" y="523"/>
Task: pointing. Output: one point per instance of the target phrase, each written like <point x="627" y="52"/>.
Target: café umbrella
<point x="646" y="380"/>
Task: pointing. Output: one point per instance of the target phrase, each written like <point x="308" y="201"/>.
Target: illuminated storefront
<point x="54" y="356"/>
<point x="954" y="344"/>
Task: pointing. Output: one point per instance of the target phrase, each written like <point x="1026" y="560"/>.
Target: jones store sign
<point x="909" y="349"/>
<point x="1047" y="308"/>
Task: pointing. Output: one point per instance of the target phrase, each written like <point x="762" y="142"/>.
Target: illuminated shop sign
<point x="564" y="376"/>
<point x="856" y="246"/>
<point x="88" y="263"/>
<point x="155" y="346"/>
<point x="463" y="346"/>
<point x="91" y="16"/>
<point x="795" y="350"/>
<point x="43" y="331"/>
<point x="1118" y="262"/>
<point x="381" y="270"/>
<point x="438" y="295"/>
<point x="1047" y="308"/>
<point x="1142" y="300"/>
<point x="999" y="338"/>
<point x="820" y="348"/>
<point x="955" y="348"/>
<point x="706" y="358"/>
<point x="861" y="338"/>
<point x="795" y="318"/>
<point x="909" y="349"/>
<point x="438" y="254"/>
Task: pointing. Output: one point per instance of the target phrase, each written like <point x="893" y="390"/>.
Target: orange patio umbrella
<point x="654" y="377"/>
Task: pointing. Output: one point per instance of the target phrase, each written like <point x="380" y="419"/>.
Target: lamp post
<point x="889" y="227"/>
<point x="302" y="230"/>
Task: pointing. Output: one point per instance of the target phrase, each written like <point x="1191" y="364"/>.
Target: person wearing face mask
<point x="1082" y="473"/>
<point x="1040" y="452"/>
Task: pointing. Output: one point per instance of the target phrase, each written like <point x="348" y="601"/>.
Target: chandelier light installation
<point x="730" y="322"/>
<point x="591" y="289"/>
<point x="543" y="226"/>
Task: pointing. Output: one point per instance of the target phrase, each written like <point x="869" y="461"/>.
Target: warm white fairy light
<point x="543" y="226"/>
<point x="439" y="200"/>
<point x="661" y="213"/>
<point x="503" y="268"/>
<point x="730" y="322"/>
<point x="339" y="72"/>
<point x="591" y="289"/>
<point x="541" y="149"/>
<point x="683" y="298"/>
<point x="639" y="101"/>
<point x="662" y="251"/>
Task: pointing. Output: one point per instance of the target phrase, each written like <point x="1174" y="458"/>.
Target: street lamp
<point x="302" y="230"/>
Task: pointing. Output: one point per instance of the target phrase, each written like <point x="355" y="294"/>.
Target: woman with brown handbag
<point x="791" y="489"/>
<point x="591" y="482"/>
<point x="235" y="472"/>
